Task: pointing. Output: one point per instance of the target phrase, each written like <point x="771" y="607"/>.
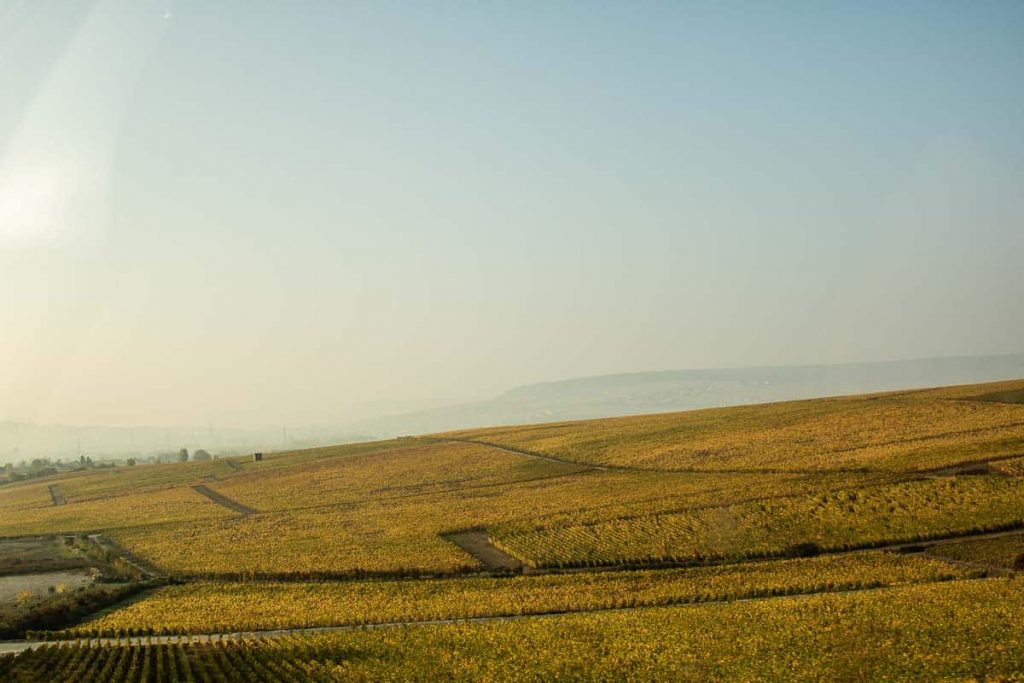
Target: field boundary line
<point x="902" y="546"/>
<point x="897" y="477"/>
<point x="1015" y="528"/>
<point x="928" y="437"/>
<point x="352" y="504"/>
<point x="608" y="467"/>
<point x="549" y="458"/>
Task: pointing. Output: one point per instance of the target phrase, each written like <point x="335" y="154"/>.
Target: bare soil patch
<point x="223" y="500"/>
<point x="478" y="544"/>
<point x="39" y="554"/>
<point x="39" y="584"/>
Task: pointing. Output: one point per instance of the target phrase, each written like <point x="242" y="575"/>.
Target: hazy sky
<point x="254" y="212"/>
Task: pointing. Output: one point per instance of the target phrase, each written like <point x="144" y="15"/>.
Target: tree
<point x="201" y="455"/>
<point x="183" y="455"/>
<point x="131" y="462"/>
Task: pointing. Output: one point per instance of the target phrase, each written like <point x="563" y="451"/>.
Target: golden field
<point x="384" y="507"/>
<point x="620" y="520"/>
<point x="960" y="630"/>
<point x="903" y="431"/>
<point x="838" y="520"/>
<point x="209" y="607"/>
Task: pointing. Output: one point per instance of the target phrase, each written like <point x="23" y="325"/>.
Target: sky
<point x="254" y="213"/>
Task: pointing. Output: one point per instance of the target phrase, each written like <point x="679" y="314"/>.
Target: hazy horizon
<point x="266" y="215"/>
<point x="550" y="401"/>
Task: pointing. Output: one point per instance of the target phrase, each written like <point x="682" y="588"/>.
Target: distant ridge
<point x="674" y="390"/>
<point x="632" y="393"/>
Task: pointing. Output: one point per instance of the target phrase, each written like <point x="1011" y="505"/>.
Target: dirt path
<point x="56" y="495"/>
<point x="223" y="500"/>
<point x="478" y="544"/>
<point x="144" y="568"/>
<point x="549" y="458"/>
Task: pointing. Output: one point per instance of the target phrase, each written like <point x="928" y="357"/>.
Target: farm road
<point x="143" y="567"/>
<point x="223" y="500"/>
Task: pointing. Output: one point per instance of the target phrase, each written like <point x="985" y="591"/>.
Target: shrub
<point x="1018" y="563"/>
<point x="805" y="549"/>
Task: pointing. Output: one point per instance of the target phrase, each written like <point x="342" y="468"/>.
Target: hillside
<point x="677" y="390"/>
<point x="710" y="506"/>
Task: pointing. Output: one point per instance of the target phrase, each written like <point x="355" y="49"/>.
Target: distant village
<point x="43" y="467"/>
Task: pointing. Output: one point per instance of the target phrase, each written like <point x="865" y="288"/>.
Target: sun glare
<point x="28" y="203"/>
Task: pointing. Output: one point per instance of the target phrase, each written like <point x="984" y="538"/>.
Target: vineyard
<point x="912" y="632"/>
<point x="216" y="607"/>
<point x="1013" y="467"/>
<point x="904" y="431"/>
<point x="1006" y="552"/>
<point x="701" y="522"/>
<point x="841" y="520"/>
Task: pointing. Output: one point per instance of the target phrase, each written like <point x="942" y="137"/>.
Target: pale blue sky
<point x="256" y="212"/>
